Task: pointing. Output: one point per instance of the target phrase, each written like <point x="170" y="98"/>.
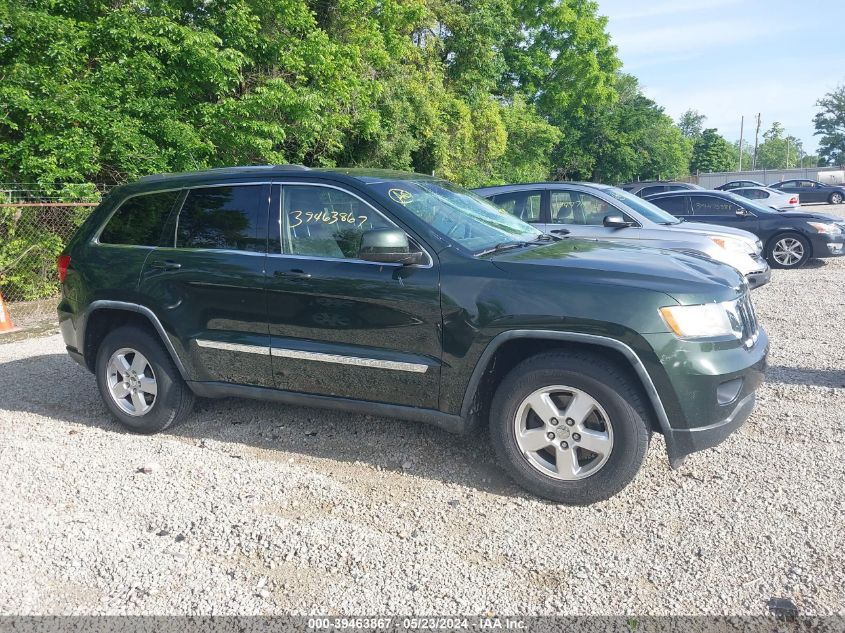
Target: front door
<point x="716" y="210"/>
<point x="341" y="326"/>
<point x="583" y="215"/>
<point x="207" y="286"/>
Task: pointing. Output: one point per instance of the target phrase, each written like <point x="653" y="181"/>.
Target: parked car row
<point x="603" y="212"/>
<point x="403" y="295"/>
<point x="807" y="190"/>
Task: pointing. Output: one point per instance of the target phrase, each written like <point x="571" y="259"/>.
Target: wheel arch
<point x="531" y="342"/>
<point x="104" y="316"/>
<point x="770" y="243"/>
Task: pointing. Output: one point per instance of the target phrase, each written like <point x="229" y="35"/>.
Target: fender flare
<point x="572" y="337"/>
<point x="137" y="309"/>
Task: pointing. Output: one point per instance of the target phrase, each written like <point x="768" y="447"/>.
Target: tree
<point x="691" y="123"/>
<point x="830" y="125"/>
<point x="712" y="153"/>
<point x="778" y="151"/>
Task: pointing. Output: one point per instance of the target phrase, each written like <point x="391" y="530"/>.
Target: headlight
<point x="758" y="245"/>
<point x="704" y="321"/>
<point x="824" y="227"/>
<point x="731" y="244"/>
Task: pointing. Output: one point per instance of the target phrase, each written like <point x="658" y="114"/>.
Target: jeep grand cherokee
<point x="402" y="295"/>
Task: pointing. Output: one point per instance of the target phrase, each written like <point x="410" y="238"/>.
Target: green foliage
<point x="830" y="125"/>
<point x="778" y="151"/>
<point x="691" y="124"/>
<point x="712" y="153"/>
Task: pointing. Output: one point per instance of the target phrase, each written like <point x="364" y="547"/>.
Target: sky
<point x="729" y="58"/>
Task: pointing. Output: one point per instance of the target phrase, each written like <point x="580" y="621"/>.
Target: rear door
<point x="583" y="215"/>
<point x="341" y="326"/>
<point x="676" y="205"/>
<point x="207" y="285"/>
<point x="526" y="205"/>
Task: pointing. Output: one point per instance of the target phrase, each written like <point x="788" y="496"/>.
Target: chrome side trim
<point x="234" y="347"/>
<point x="349" y="360"/>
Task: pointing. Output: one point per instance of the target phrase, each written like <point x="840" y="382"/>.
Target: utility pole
<point x="741" y="130"/>
<point x="787" y="152"/>
<point x="756" y="138"/>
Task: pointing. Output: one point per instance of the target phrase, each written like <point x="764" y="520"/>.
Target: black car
<point x="739" y="184"/>
<point x="647" y="188"/>
<point x="401" y="295"/>
<point x="789" y="238"/>
<point x="812" y="190"/>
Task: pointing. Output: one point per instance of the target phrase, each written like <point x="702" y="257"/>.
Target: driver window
<point x="325" y="222"/>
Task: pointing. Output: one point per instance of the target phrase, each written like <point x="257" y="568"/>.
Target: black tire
<point x="608" y="385"/>
<point x="173" y="399"/>
<point x="771" y="254"/>
<point x="836" y="198"/>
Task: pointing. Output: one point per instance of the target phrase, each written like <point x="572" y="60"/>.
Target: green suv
<point x="402" y="295"/>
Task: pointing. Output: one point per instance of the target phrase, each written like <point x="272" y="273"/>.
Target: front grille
<point x="748" y="319"/>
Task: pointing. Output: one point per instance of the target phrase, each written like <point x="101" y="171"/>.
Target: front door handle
<point x="165" y="265"/>
<point x="296" y="273"/>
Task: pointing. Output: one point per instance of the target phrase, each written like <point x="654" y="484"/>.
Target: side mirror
<point x="388" y="246"/>
<point x="616" y="222"/>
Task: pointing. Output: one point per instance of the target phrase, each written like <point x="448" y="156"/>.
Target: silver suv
<point x="590" y="210"/>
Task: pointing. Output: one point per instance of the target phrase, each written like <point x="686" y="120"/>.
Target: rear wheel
<point x="789" y="250"/>
<point x="139" y="382"/>
<point x="570" y="427"/>
<point x="835" y="198"/>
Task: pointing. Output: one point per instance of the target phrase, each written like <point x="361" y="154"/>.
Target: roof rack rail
<point x="235" y="169"/>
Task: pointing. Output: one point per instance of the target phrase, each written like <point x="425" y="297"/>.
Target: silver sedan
<point x="777" y="200"/>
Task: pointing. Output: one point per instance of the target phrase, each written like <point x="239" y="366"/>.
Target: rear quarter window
<point x="139" y="220"/>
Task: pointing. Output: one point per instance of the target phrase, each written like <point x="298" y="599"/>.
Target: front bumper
<point x="759" y="278"/>
<point x="825" y="245"/>
<point x="709" y="390"/>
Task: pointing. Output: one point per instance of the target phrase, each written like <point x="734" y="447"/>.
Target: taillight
<point x="62" y="264"/>
<point x="793" y="201"/>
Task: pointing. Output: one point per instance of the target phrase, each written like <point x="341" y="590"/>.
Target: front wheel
<point x="139" y="382"/>
<point x="570" y="427"/>
<point x="789" y="250"/>
<point x="835" y="198"/>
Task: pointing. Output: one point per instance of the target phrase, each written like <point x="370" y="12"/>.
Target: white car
<point x="778" y="200"/>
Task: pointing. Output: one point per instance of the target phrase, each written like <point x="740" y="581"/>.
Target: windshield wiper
<point x="501" y="247"/>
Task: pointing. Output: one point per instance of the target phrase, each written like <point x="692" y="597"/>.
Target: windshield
<point x="643" y="207"/>
<point x="461" y="216"/>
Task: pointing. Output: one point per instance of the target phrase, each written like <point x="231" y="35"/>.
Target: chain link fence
<point x="36" y="221"/>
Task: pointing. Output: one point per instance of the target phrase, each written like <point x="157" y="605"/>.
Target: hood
<point x="801" y="215"/>
<point x="713" y="229"/>
<point x="686" y="278"/>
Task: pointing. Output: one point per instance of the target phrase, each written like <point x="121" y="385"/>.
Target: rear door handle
<point x="165" y="265"/>
<point x="296" y="273"/>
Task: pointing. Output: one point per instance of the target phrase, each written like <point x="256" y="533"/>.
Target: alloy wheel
<point x="131" y="381"/>
<point x="836" y="198"/>
<point x="788" y="251"/>
<point x="563" y="432"/>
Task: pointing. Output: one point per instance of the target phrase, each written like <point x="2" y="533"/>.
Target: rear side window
<point x="676" y="205"/>
<point x="650" y="191"/>
<point x="139" y="220"/>
<point x="525" y="205"/>
<point x="222" y="218"/>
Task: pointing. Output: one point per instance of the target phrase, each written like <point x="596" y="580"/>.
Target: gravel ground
<point x="256" y="508"/>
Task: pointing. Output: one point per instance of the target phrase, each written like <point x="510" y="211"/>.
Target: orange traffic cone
<point x="6" y="324"/>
